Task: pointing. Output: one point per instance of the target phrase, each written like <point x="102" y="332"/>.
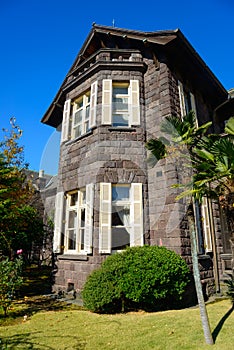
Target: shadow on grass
<point x="34" y="296"/>
<point x="37" y="281"/>
<point x="31" y="305"/>
<point x="29" y="341"/>
<point x="221" y="323"/>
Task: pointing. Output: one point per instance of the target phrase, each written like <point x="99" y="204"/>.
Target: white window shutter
<point x="88" y="239"/>
<point x="66" y="121"/>
<point x="181" y="96"/>
<point x="193" y="104"/>
<point x="105" y="218"/>
<point x="134" y="103"/>
<point x="93" y="104"/>
<point x="136" y="215"/>
<point x="206" y="224"/>
<point x="107" y="101"/>
<point x="58" y="221"/>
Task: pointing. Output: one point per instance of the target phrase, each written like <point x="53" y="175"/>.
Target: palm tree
<point x="182" y="137"/>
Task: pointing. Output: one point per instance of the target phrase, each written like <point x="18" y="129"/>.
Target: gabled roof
<point x="94" y="41"/>
<point x="177" y="50"/>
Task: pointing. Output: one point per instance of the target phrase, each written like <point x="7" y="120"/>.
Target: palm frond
<point x="157" y="151"/>
<point x="229" y="128"/>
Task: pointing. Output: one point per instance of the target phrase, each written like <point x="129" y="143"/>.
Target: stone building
<point x="43" y="199"/>
<point x="112" y="101"/>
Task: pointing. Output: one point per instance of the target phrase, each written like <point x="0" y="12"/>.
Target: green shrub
<point x="148" y="277"/>
<point x="10" y="281"/>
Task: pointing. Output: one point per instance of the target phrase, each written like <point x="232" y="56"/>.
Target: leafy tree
<point x="10" y="281"/>
<point x="20" y="223"/>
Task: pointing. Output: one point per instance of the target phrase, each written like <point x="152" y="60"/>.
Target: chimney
<point x="41" y="173"/>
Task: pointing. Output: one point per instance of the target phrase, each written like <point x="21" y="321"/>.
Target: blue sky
<point x="41" y="38"/>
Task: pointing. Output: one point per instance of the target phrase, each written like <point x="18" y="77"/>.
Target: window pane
<point x="83" y="194"/>
<point x="120" y="120"/>
<point x="78" y="117"/>
<point x="72" y="219"/>
<point x="120" y="215"/>
<point x="120" y="238"/>
<point x="77" y="131"/>
<point x="120" y="90"/>
<point x="88" y="98"/>
<point x="86" y="126"/>
<point x="120" y="104"/>
<point x="87" y="112"/>
<point x="187" y="100"/>
<point x="120" y="193"/>
<point x="82" y="233"/>
<point x="71" y="239"/>
<point x="79" y="104"/>
<point x="82" y="217"/>
<point x="74" y="198"/>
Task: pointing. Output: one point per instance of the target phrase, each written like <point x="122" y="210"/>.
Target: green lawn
<point x="77" y="329"/>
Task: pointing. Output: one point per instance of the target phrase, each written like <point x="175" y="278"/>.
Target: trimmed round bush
<point x="148" y="277"/>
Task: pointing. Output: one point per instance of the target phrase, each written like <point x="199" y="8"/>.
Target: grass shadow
<point x="31" y="341"/>
<point x="31" y="305"/>
<point x="34" y="296"/>
<point x="221" y="323"/>
<point x="37" y="281"/>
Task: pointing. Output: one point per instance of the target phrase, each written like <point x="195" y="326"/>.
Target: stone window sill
<point x="73" y="257"/>
<point x="122" y="128"/>
<point x="203" y="257"/>
<point x="90" y="132"/>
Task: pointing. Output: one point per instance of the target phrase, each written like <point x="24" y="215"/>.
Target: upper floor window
<point x="187" y="101"/>
<point x="81" y="115"/>
<point x="120" y="103"/>
<point x="81" y="118"/>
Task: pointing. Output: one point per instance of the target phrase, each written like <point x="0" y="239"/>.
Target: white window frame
<point x="58" y="222"/>
<point x="105" y="216"/>
<point x="118" y="111"/>
<point x="119" y="204"/>
<point x="88" y="120"/>
<point x="133" y="112"/>
<point x="83" y="123"/>
<point x="184" y="94"/>
<point x="82" y="228"/>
